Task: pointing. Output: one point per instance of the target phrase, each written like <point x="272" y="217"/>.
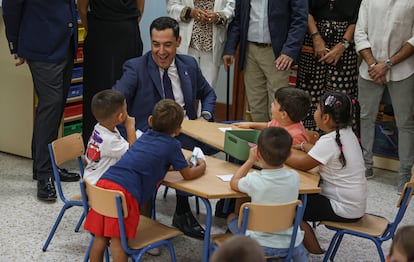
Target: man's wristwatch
<point x="206" y="115"/>
<point x="388" y="63"/>
<point x="345" y="43"/>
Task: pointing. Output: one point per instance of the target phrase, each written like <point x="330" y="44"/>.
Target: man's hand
<point x="283" y="62"/>
<point x="201" y="119"/>
<point x="20" y="60"/>
<point x="377" y="73"/>
<point x="227" y="61"/>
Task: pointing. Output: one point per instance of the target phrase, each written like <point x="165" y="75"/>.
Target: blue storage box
<point x="75" y="90"/>
<point x="77" y="72"/>
<point x="386" y="139"/>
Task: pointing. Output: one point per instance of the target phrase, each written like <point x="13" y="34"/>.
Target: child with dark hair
<point x="341" y="166"/>
<point x="138" y="173"/>
<point x="274" y="184"/>
<point x="290" y="106"/>
<point x="239" y="248"/>
<point x="402" y="247"/>
<point x="106" y="145"/>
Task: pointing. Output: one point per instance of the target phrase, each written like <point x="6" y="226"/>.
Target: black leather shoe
<point x="46" y="190"/>
<point x="188" y="225"/>
<point x="67" y="176"/>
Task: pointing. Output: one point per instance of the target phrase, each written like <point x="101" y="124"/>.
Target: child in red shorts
<point x="138" y="173"/>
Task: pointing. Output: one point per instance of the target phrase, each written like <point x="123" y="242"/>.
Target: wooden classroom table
<point x="209" y="186"/>
<point x="209" y="133"/>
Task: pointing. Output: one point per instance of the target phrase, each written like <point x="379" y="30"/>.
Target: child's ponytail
<point x="342" y="111"/>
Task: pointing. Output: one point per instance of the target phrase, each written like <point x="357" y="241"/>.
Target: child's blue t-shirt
<point x="145" y="164"/>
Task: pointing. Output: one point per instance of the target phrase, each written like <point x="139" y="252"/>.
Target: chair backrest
<point x="67" y="148"/>
<point x="272" y="218"/>
<point x="62" y="150"/>
<point x="402" y="205"/>
<point x="409" y="186"/>
<point x="107" y="202"/>
<point x="103" y="201"/>
<point x="313" y="136"/>
<point x="268" y="218"/>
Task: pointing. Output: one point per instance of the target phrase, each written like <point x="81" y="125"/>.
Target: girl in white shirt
<point x="338" y="155"/>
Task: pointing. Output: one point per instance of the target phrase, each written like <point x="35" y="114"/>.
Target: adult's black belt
<point x="261" y="44"/>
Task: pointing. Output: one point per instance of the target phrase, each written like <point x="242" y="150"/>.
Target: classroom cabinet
<point x="18" y="101"/>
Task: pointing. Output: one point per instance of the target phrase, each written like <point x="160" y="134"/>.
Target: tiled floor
<point x="25" y="222"/>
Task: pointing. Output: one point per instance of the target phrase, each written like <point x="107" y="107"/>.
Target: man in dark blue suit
<point x="270" y="34"/>
<point x="160" y="74"/>
<point x="44" y="34"/>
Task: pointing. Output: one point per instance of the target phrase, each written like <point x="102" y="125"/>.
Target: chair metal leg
<point x="80" y="222"/>
<point x="106" y="254"/>
<point x="153" y="210"/>
<point x="88" y="251"/>
<point x="197" y="203"/>
<point x="213" y="247"/>
<point x="165" y="192"/>
<point x="331" y="247"/>
<point x="172" y="252"/>
<point x="338" y="242"/>
<point x="209" y="218"/>
<point x="380" y="253"/>
<point x="52" y="232"/>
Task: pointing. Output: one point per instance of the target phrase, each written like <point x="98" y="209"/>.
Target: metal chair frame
<point x="76" y="150"/>
<point x="388" y="230"/>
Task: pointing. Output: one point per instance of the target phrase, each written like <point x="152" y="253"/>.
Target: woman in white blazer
<point x="203" y="30"/>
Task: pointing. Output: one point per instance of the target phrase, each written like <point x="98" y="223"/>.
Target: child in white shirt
<point x="338" y="155"/>
<point x="274" y="184"/>
<point x="106" y="145"/>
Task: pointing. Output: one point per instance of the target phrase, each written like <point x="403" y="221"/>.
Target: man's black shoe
<point x="46" y="190"/>
<point x="219" y="210"/>
<point x="67" y="176"/>
<point x="188" y="225"/>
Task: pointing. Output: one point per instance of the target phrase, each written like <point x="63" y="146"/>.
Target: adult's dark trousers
<point x="51" y="82"/>
<point x="189" y="143"/>
<point x="107" y="46"/>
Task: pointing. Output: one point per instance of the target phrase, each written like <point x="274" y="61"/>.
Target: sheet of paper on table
<point x="224" y="129"/>
<point x="225" y="178"/>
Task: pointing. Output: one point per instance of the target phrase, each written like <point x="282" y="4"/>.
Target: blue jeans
<point x="299" y="253"/>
